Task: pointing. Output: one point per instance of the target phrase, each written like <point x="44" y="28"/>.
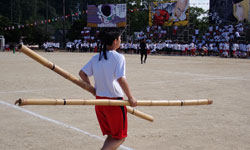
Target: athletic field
<point x="224" y="125"/>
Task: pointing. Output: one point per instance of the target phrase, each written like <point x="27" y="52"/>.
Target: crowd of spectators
<point x="223" y="41"/>
<point x="51" y="46"/>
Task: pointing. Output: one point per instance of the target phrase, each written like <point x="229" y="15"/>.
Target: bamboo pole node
<point x="84" y="103"/>
<point x="182" y="102"/>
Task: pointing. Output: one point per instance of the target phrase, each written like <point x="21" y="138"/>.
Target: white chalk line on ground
<point x="59" y="123"/>
<point x="201" y="75"/>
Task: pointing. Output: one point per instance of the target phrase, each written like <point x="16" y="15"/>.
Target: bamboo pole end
<point x="151" y="119"/>
<point x="19" y="46"/>
<point x="210" y="101"/>
<point x="19" y="102"/>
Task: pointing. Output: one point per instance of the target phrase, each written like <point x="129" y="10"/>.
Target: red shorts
<point x="112" y="119"/>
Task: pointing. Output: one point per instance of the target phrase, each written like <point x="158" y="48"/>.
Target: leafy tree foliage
<point x="76" y="28"/>
<point x="18" y="12"/>
<point x="199" y="17"/>
<point x="13" y="35"/>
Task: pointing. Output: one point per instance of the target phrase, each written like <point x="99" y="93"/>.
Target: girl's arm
<point x="84" y="77"/>
<point x="124" y="85"/>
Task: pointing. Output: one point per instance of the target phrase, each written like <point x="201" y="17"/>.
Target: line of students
<point x="223" y="49"/>
<point x="80" y="46"/>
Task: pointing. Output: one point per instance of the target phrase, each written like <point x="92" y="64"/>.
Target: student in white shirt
<point x="210" y="49"/>
<point x="225" y="50"/>
<point x="193" y="49"/>
<point x="248" y="50"/>
<point x="216" y="50"/>
<point x="235" y="48"/>
<point x="221" y="47"/>
<point x="108" y="69"/>
<point x="153" y="48"/>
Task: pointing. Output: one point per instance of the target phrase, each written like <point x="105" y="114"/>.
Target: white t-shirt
<point x="217" y="27"/>
<point x="237" y="34"/>
<point x="211" y="28"/>
<point x="248" y="47"/>
<point x="196" y="31"/>
<point x="235" y="46"/>
<point x="106" y="73"/>
<point x="221" y="46"/>
<point x="192" y="45"/>
<point x="226" y="46"/>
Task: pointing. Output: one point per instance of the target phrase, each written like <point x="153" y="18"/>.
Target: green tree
<point x="199" y="17"/>
<point x="76" y="28"/>
<point x="138" y="20"/>
<point x="22" y="12"/>
<point x="35" y="35"/>
<point x="10" y="35"/>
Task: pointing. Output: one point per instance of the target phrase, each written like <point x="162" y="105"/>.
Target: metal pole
<point x="47" y="13"/>
<point x="11" y="10"/>
<point x="78" y="10"/>
<point x="63" y="24"/>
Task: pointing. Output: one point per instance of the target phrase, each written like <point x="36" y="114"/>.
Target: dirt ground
<point x="225" y="125"/>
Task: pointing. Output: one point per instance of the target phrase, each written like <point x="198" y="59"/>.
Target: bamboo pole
<point x="74" y="79"/>
<point x="108" y="102"/>
<point x="56" y="68"/>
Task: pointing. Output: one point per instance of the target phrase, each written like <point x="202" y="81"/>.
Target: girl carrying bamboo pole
<point x="108" y="69"/>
